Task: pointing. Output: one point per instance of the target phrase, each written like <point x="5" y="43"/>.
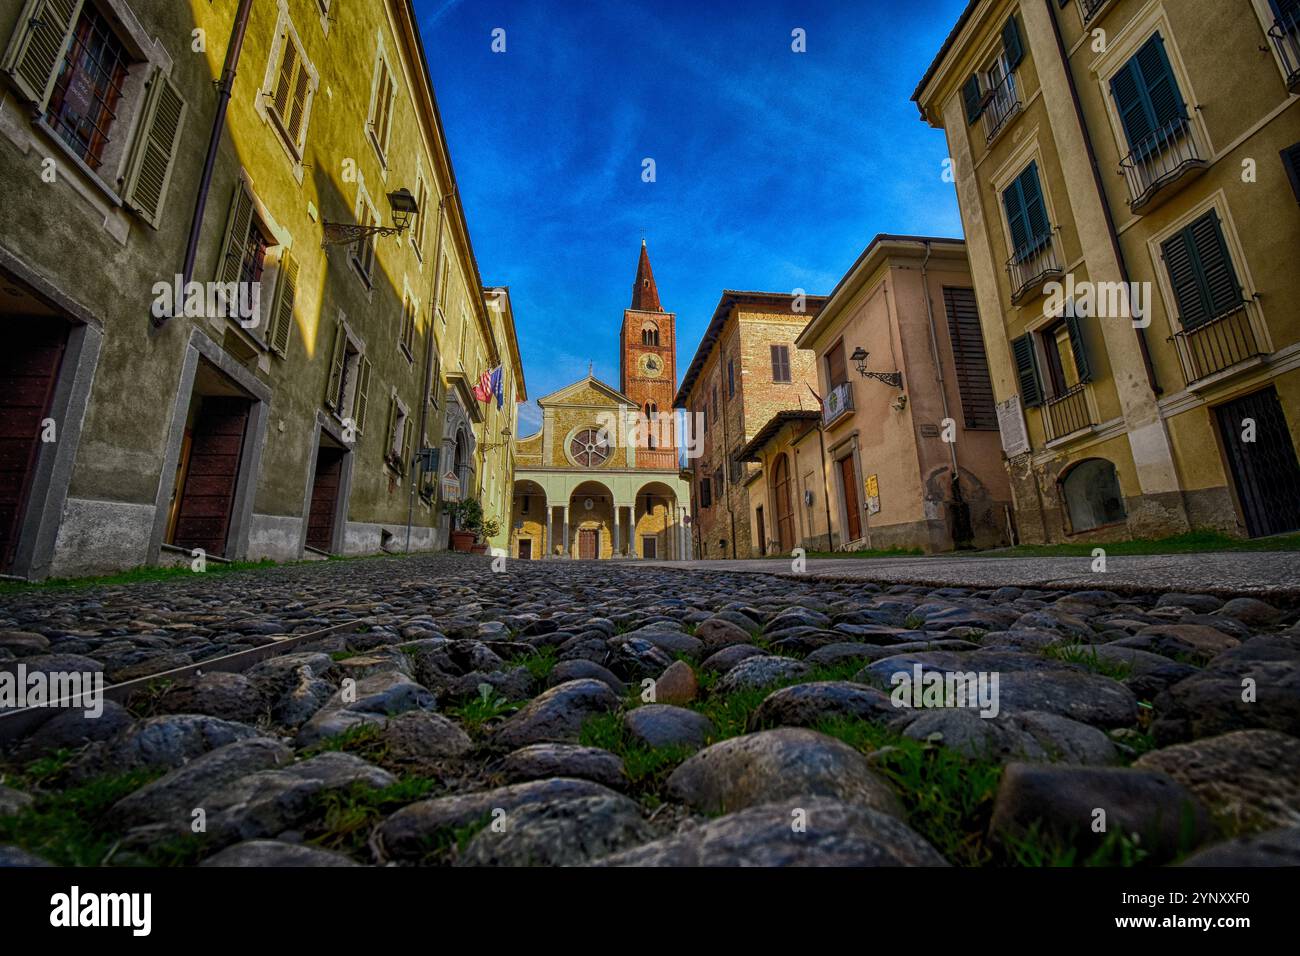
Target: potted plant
<point x="489" y="529"/>
<point x="468" y="515"/>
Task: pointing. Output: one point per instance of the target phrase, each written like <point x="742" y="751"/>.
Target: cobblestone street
<point x="583" y="712"/>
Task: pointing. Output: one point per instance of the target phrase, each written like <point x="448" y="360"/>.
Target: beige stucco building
<point x="1128" y="174"/>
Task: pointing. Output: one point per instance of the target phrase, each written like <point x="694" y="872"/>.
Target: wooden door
<point x="588" y="544"/>
<point x="1264" y="471"/>
<point x="784" y="506"/>
<point x="212" y="474"/>
<point x="29" y="371"/>
<point x="526" y="549"/>
<point x="762" y="533"/>
<point x="649" y="547"/>
<point x="324" y="499"/>
<point x="851" y="509"/>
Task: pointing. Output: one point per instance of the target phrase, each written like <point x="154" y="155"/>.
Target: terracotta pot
<point x="462" y="541"/>
<point x="480" y="548"/>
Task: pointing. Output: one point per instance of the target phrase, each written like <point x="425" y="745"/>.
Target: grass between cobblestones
<point x="1193" y="542"/>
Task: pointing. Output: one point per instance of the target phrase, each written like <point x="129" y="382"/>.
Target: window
<point x="1092" y="495"/>
<point x="1027" y="214"/>
<point x="837" y="372"/>
<point x="731" y="378"/>
<point x="399" y="455"/>
<point x="589" y="448"/>
<point x="362" y="251"/>
<point x="243" y="258"/>
<point x="706" y="494"/>
<point x="1201" y="273"/>
<point x="291" y="92"/>
<point x="780" y="363"/>
<point x="718" y="486"/>
<point x="649" y="333"/>
<point x="1148" y="100"/>
<point x="88" y="88"/>
<point x="713" y="401"/>
<point x="979" y="92"/>
<point x="418" y="230"/>
<point x="1291" y="162"/>
<point x="969" y="359"/>
<point x="380" y="124"/>
<point x="1066" y="355"/>
<point x="407" y="339"/>
<point x="348" y="389"/>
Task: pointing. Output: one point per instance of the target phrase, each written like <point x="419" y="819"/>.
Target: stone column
<point x="564" y="532"/>
<point x="546" y="532"/>
<point x="614" y="544"/>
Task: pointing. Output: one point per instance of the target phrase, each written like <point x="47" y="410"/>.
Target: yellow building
<point x="1127" y="174"/>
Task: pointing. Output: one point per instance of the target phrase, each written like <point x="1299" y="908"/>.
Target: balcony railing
<point x="656" y="458"/>
<point x="1067" y="413"/>
<point x="838" y="403"/>
<point x="1003" y="102"/>
<point x="1091" y="8"/>
<point x="1032" y="266"/>
<point x="1285" y="34"/>
<point x="1163" y="157"/>
<point x="1219" y="344"/>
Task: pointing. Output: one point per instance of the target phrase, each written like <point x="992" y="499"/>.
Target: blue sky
<point x="773" y="169"/>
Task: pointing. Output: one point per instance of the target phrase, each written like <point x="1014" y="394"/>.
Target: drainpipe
<point x="224" y="87"/>
<point x="428" y="362"/>
<point x="1101" y="193"/>
<point x="938" y="366"/>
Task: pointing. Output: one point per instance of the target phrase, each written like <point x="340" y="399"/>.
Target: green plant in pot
<point x="468" y="515"/>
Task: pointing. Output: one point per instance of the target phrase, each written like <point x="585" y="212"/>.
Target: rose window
<point x="589" y="448"/>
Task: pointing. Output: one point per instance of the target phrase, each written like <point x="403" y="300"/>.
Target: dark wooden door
<point x="851" y="508"/>
<point x="526" y="549"/>
<point x="324" y="499"/>
<point x="782" y="501"/>
<point x="29" y="371"/>
<point x="762" y="532"/>
<point x="649" y="547"/>
<point x="203" y="520"/>
<point x="588" y="544"/>
<point x="1264" y="471"/>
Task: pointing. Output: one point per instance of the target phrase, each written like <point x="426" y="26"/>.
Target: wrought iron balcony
<point x="1001" y="104"/>
<point x="1217" y="345"/>
<point x="1166" y="156"/>
<point x="1032" y="266"/>
<point x="1090" y="9"/>
<point x="1285" y="34"/>
<point x="1067" y="413"/>
<point x="839" y="402"/>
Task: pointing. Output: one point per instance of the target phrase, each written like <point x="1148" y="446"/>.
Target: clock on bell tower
<point x="648" y="365"/>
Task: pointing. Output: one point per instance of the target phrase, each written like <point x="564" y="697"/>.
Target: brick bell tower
<point x="648" y="364"/>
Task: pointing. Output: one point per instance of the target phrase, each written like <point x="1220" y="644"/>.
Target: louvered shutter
<point x="1184" y="276"/>
<point x="1161" y="87"/>
<point x="1291" y="163"/>
<point x="973" y="383"/>
<point x="1126" y="88"/>
<point x="286" y="292"/>
<point x="237" y="226"/>
<point x="1035" y="206"/>
<point x="1013" y="201"/>
<point x="1031" y="383"/>
<point x="337" y="354"/>
<point x="408" y="440"/>
<point x="40" y="37"/>
<point x="362" y="400"/>
<point x="1222" y="290"/>
<point x="1078" y="347"/>
<point x="390" y="429"/>
<point x="1012" y="44"/>
<point x="154" y="153"/>
<point x="301" y="88"/>
<point x="970" y="93"/>
<point x="284" y="85"/>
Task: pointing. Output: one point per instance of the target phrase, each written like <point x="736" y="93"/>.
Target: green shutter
<point x="1126" y="88"/>
<point x="1014" y="202"/>
<point x="970" y="92"/>
<point x="1035" y="206"/>
<point x="1222" y="290"/>
<point x="40" y="37"/>
<point x="153" y="156"/>
<point x="286" y="292"/>
<point x="1031" y="383"/>
<point x="1291" y="163"/>
<point x="1078" y="347"/>
<point x="1185" y="278"/>
<point x="1147" y="96"/>
<point x="1161" y="87"/>
<point x="336" y="367"/>
<point x="237" y="226"/>
<point x="1012" y="44"/>
<point x="362" y="400"/>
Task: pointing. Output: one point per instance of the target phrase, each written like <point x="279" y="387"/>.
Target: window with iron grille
<point x="83" y="105"/>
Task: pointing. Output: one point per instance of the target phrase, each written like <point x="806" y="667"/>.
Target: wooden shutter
<point x="1184" y="276"/>
<point x="390" y="430"/>
<point x="836" y="370"/>
<point x="408" y="439"/>
<point x="1286" y="10"/>
<point x="1014" y="203"/>
<point x="1222" y="290"/>
<point x="969" y="359"/>
<point x="1078" y="347"/>
<point x="1035" y="206"/>
<point x="1012" y="44"/>
<point x="1126" y="88"/>
<point x="1147" y="95"/>
<point x="1031" y="383"/>
<point x="362" y="400"/>
<point x="153" y="155"/>
<point x="1291" y="163"/>
<point x="286" y="292"/>
<point x="1161" y="87"/>
<point x="337" y="355"/>
<point x="40" y="37"/>
<point x="970" y="93"/>
<point x="237" y="226"/>
<point x="296" y="113"/>
<point x="284" y="85"/>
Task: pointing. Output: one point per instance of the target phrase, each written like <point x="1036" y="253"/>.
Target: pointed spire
<point x="645" y="294"/>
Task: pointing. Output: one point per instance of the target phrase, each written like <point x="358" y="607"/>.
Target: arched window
<point x="1092" y="496"/>
<point x="649" y="333"/>
<point x="589" y="447"/>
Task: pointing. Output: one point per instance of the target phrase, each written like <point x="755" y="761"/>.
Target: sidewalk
<point x="1274" y="574"/>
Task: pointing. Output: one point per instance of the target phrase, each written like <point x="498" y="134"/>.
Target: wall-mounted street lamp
<point x="859" y="359"/>
<point x="404" y="207"/>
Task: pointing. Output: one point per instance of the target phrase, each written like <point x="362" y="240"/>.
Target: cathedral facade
<point x="601" y="478"/>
